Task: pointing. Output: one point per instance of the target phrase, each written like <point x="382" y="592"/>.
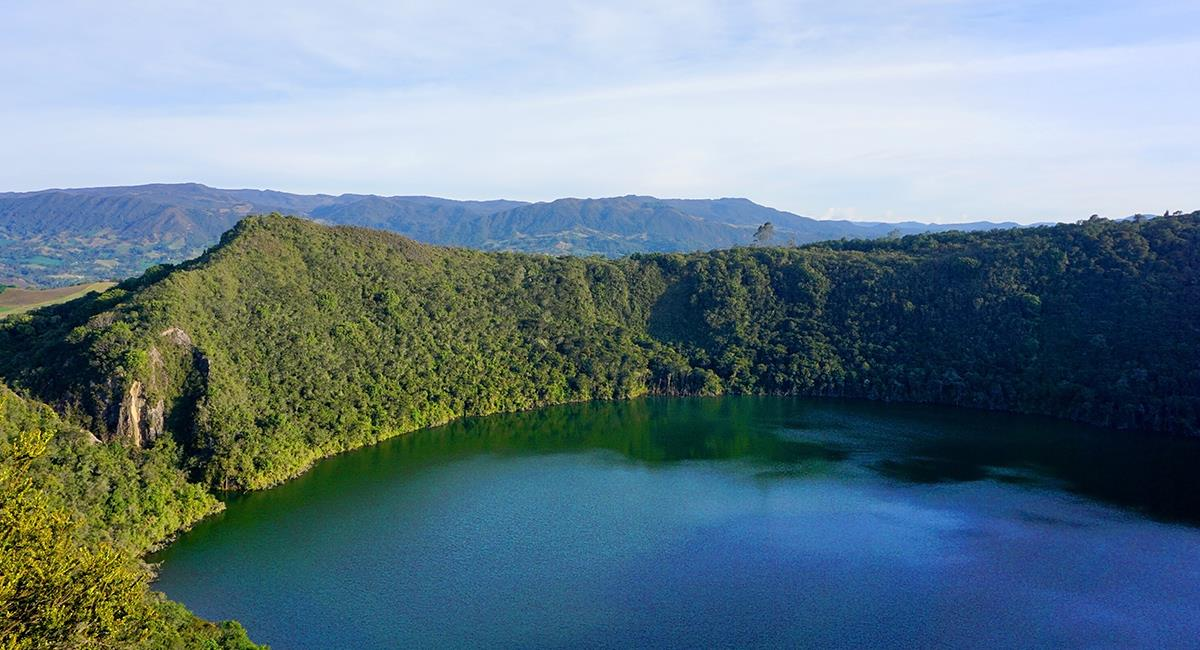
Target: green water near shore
<point x="735" y="521"/>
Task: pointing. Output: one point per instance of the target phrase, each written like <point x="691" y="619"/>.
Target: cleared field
<point x="15" y="301"/>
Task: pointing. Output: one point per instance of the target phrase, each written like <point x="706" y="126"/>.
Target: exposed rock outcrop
<point x="177" y="336"/>
<point x="140" y="408"/>
<point x="129" y="417"/>
<point x="140" y="418"/>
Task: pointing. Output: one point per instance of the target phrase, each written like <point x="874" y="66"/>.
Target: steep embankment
<point x="291" y="340"/>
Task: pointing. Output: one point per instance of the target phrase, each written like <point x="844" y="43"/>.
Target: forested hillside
<point x="74" y="516"/>
<point x="63" y="237"/>
<point x="291" y="340"/>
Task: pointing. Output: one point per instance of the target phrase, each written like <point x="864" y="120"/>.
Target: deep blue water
<point x="730" y="522"/>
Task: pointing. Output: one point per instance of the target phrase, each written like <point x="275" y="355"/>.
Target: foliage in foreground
<point x="62" y="583"/>
<point x="55" y="592"/>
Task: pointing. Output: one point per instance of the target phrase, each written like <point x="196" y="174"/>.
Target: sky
<point x="936" y="110"/>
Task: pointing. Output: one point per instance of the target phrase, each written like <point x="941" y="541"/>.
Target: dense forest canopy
<point x="291" y="340"/>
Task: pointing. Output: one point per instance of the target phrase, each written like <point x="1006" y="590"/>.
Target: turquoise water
<point x="728" y="522"/>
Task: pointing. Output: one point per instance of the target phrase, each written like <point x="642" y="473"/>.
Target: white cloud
<point x="775" y="101"/>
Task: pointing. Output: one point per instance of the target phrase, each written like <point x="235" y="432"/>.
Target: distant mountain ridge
<point x="62" y="236"/>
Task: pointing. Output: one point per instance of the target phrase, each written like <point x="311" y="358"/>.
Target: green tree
<point x="56" y="592"/>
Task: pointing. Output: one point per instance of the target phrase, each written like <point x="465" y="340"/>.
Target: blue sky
<point x="938" y="110"/>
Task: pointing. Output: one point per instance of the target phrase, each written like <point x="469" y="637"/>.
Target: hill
<point x="59" y="237"/>
<point x="291" y="340"/>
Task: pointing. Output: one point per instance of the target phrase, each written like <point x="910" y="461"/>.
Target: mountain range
<point x="64" y="236"/>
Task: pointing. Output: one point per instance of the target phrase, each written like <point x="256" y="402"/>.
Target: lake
<point x="716" y="522"/>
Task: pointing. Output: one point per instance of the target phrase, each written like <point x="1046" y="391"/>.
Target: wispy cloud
<point x="931" y="109"/>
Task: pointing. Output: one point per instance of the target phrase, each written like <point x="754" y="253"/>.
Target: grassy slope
<point x="16" y="301"/>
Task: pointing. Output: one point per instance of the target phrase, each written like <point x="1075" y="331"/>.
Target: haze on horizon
<point x="932" y="110"/>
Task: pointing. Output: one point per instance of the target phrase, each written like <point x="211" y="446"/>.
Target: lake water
<point x="724" y="522"/>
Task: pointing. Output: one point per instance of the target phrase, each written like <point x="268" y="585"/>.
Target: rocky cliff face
<point x="141" y="405"/>
<point x="138" y="421"/>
